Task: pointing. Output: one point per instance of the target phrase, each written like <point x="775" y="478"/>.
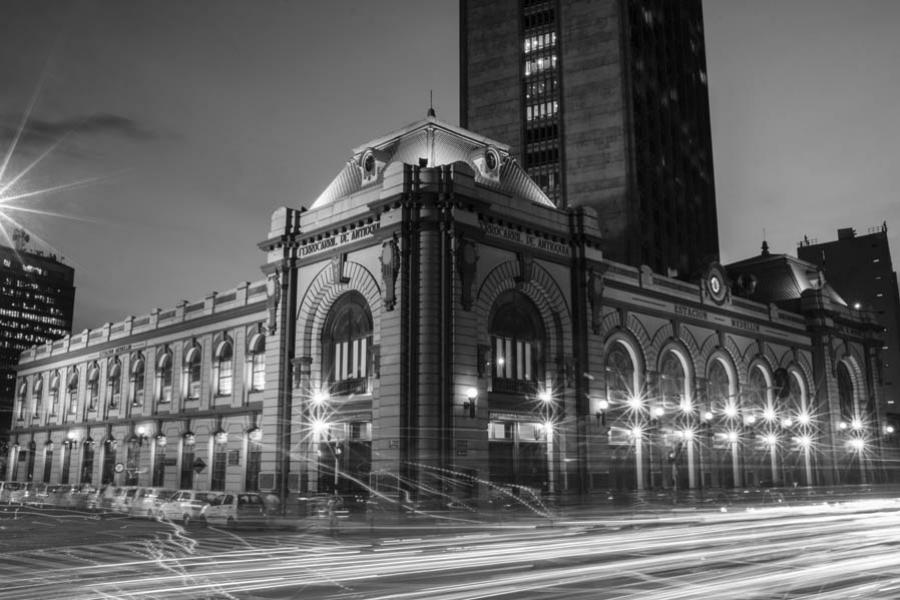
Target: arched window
<point x="191" y="379"/>
<point x="114" y="381"/>
<point x="845" y="392"/>
<point x="757" y="394"/>
<point x="72" y="390"/>
<point x="164" y="377"/>
<point x="54" y="393"/>
<point x="619" y="376"/>
<point x="256" y="362"/>
<point x="223" y="367"/>
<point x="137" y="380"/>
<point x="36" y="393"/>
<point x="672" y="382"/>
<point x="93" y="386"/>
<point x="346" y="345"/>
<point x="518" y="340"/>
<point x="22" y="396"/>
<point x="718" y="390"/>
<point x="796" y="401"/>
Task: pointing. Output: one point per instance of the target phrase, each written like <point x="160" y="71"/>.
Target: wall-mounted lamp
<point x="889" y="429"/>
<point x="189" y="438"/>
<point x="71" y="439"/>
<point x="320" y="398"/>
<point x="161" y="440"/>
<point x="471" y="398"/>
<point x="221" y="437"/>
<point x="255" y="434"/>
<point x="602" y="407"/>
<point x="89" y="442"/>
<point x="707" y="416"/>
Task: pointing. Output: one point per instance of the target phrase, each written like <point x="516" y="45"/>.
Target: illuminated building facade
<point x="605" y="104"/>
<point x="174" y="397"/>
<point x="37" y="294"/>
<point x="433" y="324"/>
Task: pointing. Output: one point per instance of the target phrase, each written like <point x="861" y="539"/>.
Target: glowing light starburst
<point x="14" y="188"/>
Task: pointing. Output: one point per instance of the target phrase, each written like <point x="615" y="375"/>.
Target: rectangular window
<point x="137" y="389"/>
<point x="48" y="463"/>
<point x="187" y="467"/>
<point x="258" y="371"/>
<point x="220" y="460"/>
<point x="225" y="377"/>
<point x="87" y="465"/>
<point x="159" y="466"/>
<point x="108" y="470"/>
<point x="254" y="462"/>
<point x="93" y="395"/>
<point x="115" y="392"/>
<point x="133" y="463"/>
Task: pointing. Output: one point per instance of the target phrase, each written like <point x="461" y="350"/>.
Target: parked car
<point x="36" y="495"/>
<point x="232" y="510"/>
<point x="58" y="495"/>
<point x="7" y="488"/>
<point x="17" y="496"/>
<point x="120" y="499"/>
<point x="147" y="501"/>
<point x="186" y="506"/>
<point x="83" y="497"/>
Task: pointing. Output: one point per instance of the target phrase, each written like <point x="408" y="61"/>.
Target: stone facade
<point x="436" y="328"/>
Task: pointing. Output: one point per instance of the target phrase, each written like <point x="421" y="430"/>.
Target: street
<point x="837" y="550"/>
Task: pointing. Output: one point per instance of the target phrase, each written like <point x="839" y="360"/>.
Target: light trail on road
<point x="825" y="551"/>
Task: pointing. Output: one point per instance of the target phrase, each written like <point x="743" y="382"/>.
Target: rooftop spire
<point x="431" y="103"/>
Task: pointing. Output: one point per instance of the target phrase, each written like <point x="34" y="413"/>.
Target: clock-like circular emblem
<point x="490" y="159"/>
<point x="715" y="284"/>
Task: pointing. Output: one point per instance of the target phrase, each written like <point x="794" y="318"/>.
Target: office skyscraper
<point x="37" y="295"/>
<point x="605" y="104"/>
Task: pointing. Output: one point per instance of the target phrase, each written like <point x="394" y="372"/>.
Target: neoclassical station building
<point x="433" y="325"/>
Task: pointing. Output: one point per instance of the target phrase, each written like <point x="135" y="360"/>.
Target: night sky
<point x="175" y="128"/>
